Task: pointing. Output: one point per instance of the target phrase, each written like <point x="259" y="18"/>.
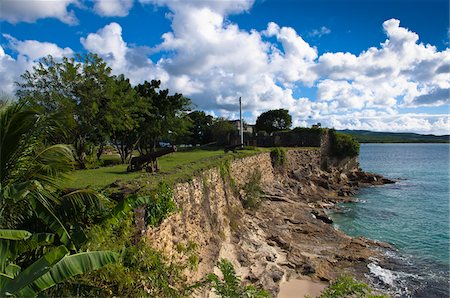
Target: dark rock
<point x="117" y="196"/>
<point x="322" y="216"/>
<point x="276" y="274"/>
<point x="323" y="183"/>
<point x="279" y="242"/>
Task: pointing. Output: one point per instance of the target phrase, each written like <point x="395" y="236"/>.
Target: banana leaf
<point x="9" y="245"/>
<point x="34" y="271"/>
<point x="70" y="266"/>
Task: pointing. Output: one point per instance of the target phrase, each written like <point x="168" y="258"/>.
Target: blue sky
<point x="376" y="65"/>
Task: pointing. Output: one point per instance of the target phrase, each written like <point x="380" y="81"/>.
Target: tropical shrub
<point x="159" y="205"/>
<point x="279" y="157"/>
<point x="252" y="190"/>
<point x="343" y="145"/>
<point x="346" y="286"/>
<point x="52" y="268"/>
<point x="230" y="285"/>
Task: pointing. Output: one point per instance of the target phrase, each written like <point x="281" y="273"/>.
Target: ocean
<point x="412" y="215"/>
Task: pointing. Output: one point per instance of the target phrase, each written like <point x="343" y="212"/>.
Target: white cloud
<point x="15" y="11"/>
<point x="213" y="61"/>
<point x="28" y="52"/>
<point x="35" y="50"/>
<point x="320" y="32"/>
<point x="418" y="123"/>
<point x="223" y="7"/>
<point x="113" y="8"/>
<point x="10" y="71"/>
<point x="108" y="43"/>
<point x="393" y="75"/>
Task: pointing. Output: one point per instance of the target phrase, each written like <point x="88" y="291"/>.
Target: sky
<point x="376" y="65"/>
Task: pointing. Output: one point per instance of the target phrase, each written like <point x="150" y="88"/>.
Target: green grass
<point x="174" y="167"/>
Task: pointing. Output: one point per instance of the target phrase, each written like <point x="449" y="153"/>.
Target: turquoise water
<point x="412" y="214"/>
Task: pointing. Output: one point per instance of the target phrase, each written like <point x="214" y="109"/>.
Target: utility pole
<point x="241" y="123"/>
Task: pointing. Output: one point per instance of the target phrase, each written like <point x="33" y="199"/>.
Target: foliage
<point x="141" y="270"/>
<point x="52" y="268"/>
<point x="230" y="285"/>
<point x="73" y="90"/>
<point x="30" y="196"/>
<point x="160" y="205"/>
<point x="311" y="129"/>
<point x="222" y="130"/>
<point x="252" y="190"/>
<point x="274" y="120"/>
<point x="164" y="118"/>
<point x="279" y="157"/>
<point x="346" y="286"/>
<point x="30" y="175"/>
<point x="121" y="116"/>
<point x="343" y="145"/>
<point x="202" y="124"/>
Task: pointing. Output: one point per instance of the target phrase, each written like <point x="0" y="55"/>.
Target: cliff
<point x="283" y="233"/>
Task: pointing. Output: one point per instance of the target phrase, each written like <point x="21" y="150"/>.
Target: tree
<point x="122" y="115"/>
<point x="222" y="130"/>
<point x="164" y="120"/>
<point x="201" y="130"/>
<point x="274" y="120"/>
<point x="74" y="90"/>
<point x="30" y="174"/>
<point x="29" y="193"/>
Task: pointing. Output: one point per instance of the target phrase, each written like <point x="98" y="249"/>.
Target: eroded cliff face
<point x="289" y="235"/>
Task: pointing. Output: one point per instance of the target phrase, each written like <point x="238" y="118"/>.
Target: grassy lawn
<point x="174" y="167"/>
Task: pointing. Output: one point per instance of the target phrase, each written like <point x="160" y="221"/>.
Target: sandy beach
<point x="298" y="288"/>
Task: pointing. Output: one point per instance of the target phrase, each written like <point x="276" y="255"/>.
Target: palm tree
<point x="30" y="173"/>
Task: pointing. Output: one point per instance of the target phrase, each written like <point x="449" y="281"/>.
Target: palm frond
<point x="16" y="123"/>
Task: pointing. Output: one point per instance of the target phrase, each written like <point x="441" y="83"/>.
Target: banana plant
<point x="54" y="267"/>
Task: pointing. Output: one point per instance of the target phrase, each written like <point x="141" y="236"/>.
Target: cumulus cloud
<point x="213" y="61"/>
<point x="10" y="71"/>
<point x="223" y="7"/>
<point x="15" y="11"/>
<point x="418" y="123"/>
<point x="113" y="8"/>
<point x="393" y="75"/>
<point x="28" y="52"/>
<point x="34" y="50"/>
<point x="108" y="43"/>
<point x="434" y="97"/>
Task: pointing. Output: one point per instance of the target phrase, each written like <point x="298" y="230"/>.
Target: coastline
<point x="300" y="236"/>
<point x="287" y="236"/>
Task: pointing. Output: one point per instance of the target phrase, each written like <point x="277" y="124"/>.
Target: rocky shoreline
<point x="291" y="236"/>
<point x="288" y="236"/>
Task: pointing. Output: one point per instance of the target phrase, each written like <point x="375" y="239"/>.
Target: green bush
<point x="160" y="205"/>
<point x="346" y="286"/>
<point x="253" y="191"/>
<point x="343" y="145"/>
<point x="230" y="285"/>
<point x="279" y="157"/>
<point x="141" y="271"/>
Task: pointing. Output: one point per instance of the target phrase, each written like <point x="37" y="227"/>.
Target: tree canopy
<point x="97" y="107"/>
<point x="274" y="120"/>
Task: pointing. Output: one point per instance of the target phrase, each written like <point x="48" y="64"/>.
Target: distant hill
<point x="365" y="136"/>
